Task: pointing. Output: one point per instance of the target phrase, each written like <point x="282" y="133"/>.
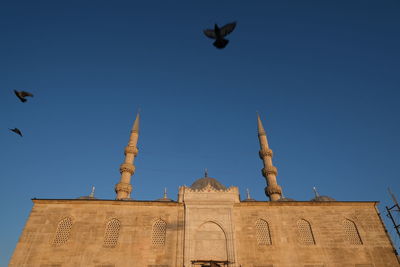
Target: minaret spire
<point x="273" y="190"/>
<point x="127" y="169"/>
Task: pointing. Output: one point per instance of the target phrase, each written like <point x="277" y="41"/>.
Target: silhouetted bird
<point x="22" y="94"/>
<point x="17" y="131"/>
<point x="219" y="33"/>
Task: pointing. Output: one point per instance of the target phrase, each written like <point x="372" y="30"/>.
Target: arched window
<point x="351" y="232"/>
<point x="158" y="233"/>
<point x="111" y="234"/>
<point x="262" y="233"/>
<point x="63" y="231"/>
<point x="306" y="236"/>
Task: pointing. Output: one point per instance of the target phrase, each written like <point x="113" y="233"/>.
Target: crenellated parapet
<point x="209" y="188"/>
<point x="208" y="191"/>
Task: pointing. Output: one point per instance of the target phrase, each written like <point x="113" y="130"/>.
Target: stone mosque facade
<point x="208" y="226"/>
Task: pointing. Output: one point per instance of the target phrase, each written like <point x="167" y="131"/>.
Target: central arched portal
<point x="210" y="244"/>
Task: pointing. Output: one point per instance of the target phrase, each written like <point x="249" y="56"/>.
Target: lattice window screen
<point x="63" y="231"/>
<point x="111" y="234"/>
<point x="158" y="233"/>
<point x="352" y="235"/>
<point x="306" y="236"/>
<point x="262" y="233"/>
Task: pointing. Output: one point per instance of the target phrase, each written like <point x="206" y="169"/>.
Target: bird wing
<point x="228" y="28"/>
<point x="210" y="34"/>
<point x="24" y="94"/>
<point x="17" y="131"/>
<point x="18" y="94"/>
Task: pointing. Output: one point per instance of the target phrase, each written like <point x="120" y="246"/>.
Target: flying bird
<point x="22" y="94"/>
<point x="219" y="33"/>
<point x="17" y="131"/>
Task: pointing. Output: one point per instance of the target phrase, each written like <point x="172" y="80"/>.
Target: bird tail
<point x="220" y="43"/>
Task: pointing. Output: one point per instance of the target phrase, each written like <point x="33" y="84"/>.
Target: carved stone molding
<point x="131" y="150"/>
<point x="126" y="167"/>
<point x="265" y="152"/>
<point x="124" y="187"/>
<point x="269" y="170"/>
<point x="273" y="189"/>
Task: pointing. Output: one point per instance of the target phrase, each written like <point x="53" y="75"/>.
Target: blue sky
<point x="324" y="75"/>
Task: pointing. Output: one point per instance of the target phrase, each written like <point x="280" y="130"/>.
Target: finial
<point x="92" y="193"/>
<point x="248" y="193"/>
<point x="206" y="172"/>
<point x="165" y="192"/>
<point x="315" y="191"/>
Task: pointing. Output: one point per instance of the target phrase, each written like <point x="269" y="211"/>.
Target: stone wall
<point x="335" y="241"/>
<point x="85" y="244"/>
<point x="110" y="233"/>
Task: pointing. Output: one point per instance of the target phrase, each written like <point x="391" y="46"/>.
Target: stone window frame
<point x="159" y="237"/>
<point x="268" y="232"/>
<point x="353" y="238"/>
<point x="302" y="239"/>
<point x="61" y="236"/>
<point x="111" y="237"/>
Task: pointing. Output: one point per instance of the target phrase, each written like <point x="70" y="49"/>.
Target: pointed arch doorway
<point x="210" y="246"/>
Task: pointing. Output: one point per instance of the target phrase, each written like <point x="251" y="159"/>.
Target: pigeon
<point x="22" y="94"/>
<point x="219" y="33"/>
<point x="17" y="131"/>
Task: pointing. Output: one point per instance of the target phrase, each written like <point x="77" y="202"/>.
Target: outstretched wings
<point x="228" y="28"/>
<point x="210" y="34"/>
<point x="17" y="131"/>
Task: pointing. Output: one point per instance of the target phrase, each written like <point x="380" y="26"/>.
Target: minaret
<point x="273" y="190"/>
<point x="127" y="169"/>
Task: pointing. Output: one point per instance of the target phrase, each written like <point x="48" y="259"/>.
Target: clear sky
<point x="324" y="76"/>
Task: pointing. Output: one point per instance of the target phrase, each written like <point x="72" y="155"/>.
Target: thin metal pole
<point x="393" y="197"/>
<point x="396" y="226"/>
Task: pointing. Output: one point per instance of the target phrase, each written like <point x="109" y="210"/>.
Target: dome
<point x="203" y="182"/>
<point x="322" y="198"/>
